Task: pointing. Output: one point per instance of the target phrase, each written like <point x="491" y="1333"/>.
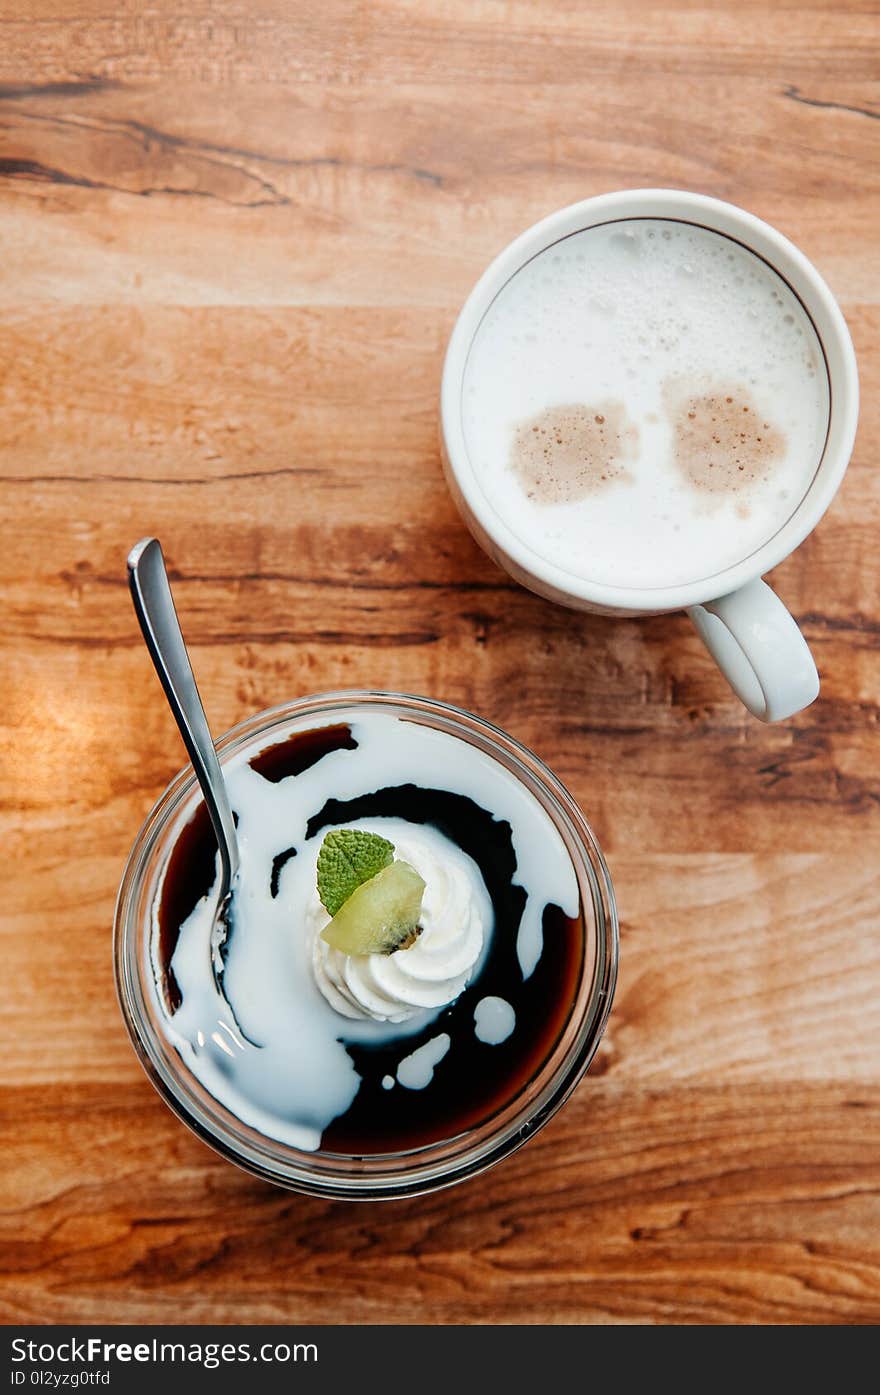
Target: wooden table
<point x="234" y="240"/>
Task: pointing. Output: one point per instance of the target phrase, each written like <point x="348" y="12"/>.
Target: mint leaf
<point x="348" y="858"/>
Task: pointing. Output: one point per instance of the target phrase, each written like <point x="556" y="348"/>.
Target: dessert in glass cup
<point x="419" y="965"/>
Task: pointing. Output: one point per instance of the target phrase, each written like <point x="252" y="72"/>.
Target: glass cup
<point x="393" y="1174"/>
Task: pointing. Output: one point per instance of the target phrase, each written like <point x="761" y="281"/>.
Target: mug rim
<point x="431" y="1168"/>
<point x="788" y="262"/>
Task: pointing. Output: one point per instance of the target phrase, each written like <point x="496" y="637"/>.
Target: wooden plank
<point x="359" y="41"/>
<point x="700" y="1204"/>
<point x="400" y="194"/>
<point x="763" y="947"/>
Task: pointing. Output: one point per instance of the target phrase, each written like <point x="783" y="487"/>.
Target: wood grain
<point x="234" y="242"/>
<point x="698" y="1204"/>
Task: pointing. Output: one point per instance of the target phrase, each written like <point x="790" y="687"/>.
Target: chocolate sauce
<point x="474" y="1080"/>
<point x="279" y="862"/>
<point x="189" y="876"/>
<point x="300" y="752"/>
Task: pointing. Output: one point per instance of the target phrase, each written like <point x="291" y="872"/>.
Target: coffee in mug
<point x="645" y="402"/>
<point x="650" y="399"/>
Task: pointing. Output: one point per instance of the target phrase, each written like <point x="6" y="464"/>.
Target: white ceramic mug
<point x="746" y="628"/>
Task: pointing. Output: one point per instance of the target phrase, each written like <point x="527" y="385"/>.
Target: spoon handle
<point x="155" y="611"/>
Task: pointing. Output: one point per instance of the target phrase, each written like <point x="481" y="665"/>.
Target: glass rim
<point x="415" y="1171"/>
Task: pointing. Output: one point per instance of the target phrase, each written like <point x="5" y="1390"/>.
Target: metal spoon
<point x="154" y="606"/>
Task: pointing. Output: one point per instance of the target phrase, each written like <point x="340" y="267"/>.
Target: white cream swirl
<point x="433" y="971"/>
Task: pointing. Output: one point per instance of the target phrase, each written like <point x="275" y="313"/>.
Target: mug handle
<point x="760" y="651"/>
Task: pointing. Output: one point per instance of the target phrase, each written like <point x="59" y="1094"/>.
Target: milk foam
<point x="638" y="318"/>
<point x="300" y="1077"/>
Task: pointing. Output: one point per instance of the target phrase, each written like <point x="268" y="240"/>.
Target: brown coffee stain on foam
<point x="722" y="442"/>
<point x="565" y="453"/>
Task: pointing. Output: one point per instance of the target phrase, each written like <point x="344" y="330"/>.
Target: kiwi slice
<point x="382" y="915"/>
